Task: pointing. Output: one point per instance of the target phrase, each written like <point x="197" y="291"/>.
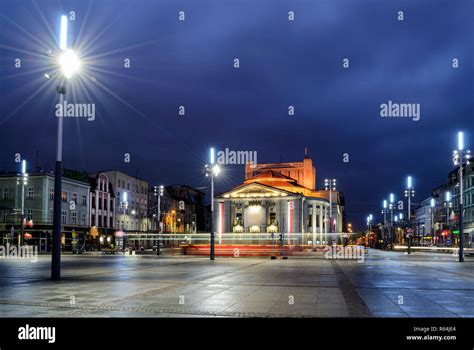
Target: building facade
<point x="182" y="210"/>
<point x="279" y="198"/>
<point x="39" y="195"/>
<point x="131" y="201"/>
<point x="443" y="227"/>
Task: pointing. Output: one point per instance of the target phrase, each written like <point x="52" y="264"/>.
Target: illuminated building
<point x="279" y="198"/>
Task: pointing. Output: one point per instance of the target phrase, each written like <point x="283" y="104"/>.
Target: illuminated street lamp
<point x="369" y="222"/>
<point x="330" y="185"/>
<point x="68" y="64"/>
<point x="384" y="212"/>
<point x="409" y="193"/>
<point x="432" y="207"/>
<point x="158" y="192"/>
<point x="22" y="180"/>
<point x="461" y="156"/>
<point x="212" y="171"/>
<point x="447" y="204"/>
<point x="392" y="205"/>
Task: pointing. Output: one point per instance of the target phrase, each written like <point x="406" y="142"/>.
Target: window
<point x="64" y="196"/>
<point x="128" y="186"/>
<point x="5" y="193"/>
<point x="74" y="218"/>
<point x="50" y="215"/>
<point x="74" y="197"/>
<point x="29" y="214"/>
<point x="63" y="216"/>
<point x="83" y="219"/>
<point x="31" y="192"/>
<point x="51" y="194"/>
<point x="84" y="199"/>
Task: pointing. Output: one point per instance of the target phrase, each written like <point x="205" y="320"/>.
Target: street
<point x="386" y="284"/>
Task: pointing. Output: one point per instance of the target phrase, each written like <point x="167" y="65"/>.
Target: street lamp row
<point x="461" y="157"/>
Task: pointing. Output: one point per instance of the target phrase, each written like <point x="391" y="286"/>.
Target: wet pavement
<point x="386" y="284"/>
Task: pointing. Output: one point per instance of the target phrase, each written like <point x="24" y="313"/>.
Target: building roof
<point x="270" y="176"/>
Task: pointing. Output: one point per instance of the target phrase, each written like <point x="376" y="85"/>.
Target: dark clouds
<point x="282" y="63"/>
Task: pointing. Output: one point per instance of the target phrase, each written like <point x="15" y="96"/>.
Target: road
<point x="386" y="284"/>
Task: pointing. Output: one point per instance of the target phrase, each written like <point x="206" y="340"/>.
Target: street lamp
<point x="22" y="180"/>
<point x="158" y="192"/>
<point x="330" y="184"/>
<point x="409" y="193"/>
<point x="461" y="156"/>
<point x="68" y="64"/>
<point x="392" y="205"/>
<point x="384" y="212"/>
<point x="432" y="206"/>
<point x="369" y="221"/>
<point x="447" y="204"/>
<point x="212" y="171"/>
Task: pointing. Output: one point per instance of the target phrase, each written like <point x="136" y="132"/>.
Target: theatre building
<point x="278" y="198"/>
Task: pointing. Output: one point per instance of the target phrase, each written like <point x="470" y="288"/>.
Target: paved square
<point x="387" y="284"/>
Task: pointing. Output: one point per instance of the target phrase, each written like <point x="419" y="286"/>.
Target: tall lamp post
<point x="124" y="206"/>
<point x="158" y="192"/>
<point x="447" y="204"/>
<point x="212" y="171"/>
<point x="330" y="185"/>
<point x="409" y="193"/>
<point x="432" y="208"/>
<point x="461" y="156"/>
<point x="392" y="206"/>
<point x="369" y="221"/>
<point x="23" y="181"/>
<point x="384" y="212"/>
<point x="68" y="64"/>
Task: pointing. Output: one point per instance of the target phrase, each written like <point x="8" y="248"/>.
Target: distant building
<point x="446" y="214"/>
<point x="423" y="231"/>
<point x="39" y="195"/>
<point x="280" y="198"/>
<point x="182" y="210"/>
<point x="131" y="201"/>
<point x="102" y="208"/>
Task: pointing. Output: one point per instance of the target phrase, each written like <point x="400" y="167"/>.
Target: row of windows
<point x="141" y="189"/>
<point x="142" y="201"/>
<point x="30" y="193"/>
<point x="65" y="196"/>
<point x="64" y="216"/>
<point x="125" y="225"/>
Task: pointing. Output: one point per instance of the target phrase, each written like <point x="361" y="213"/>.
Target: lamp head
<point x="69" y="63"/>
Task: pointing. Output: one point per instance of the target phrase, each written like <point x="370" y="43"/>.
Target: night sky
<point x="282" y="63"/>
